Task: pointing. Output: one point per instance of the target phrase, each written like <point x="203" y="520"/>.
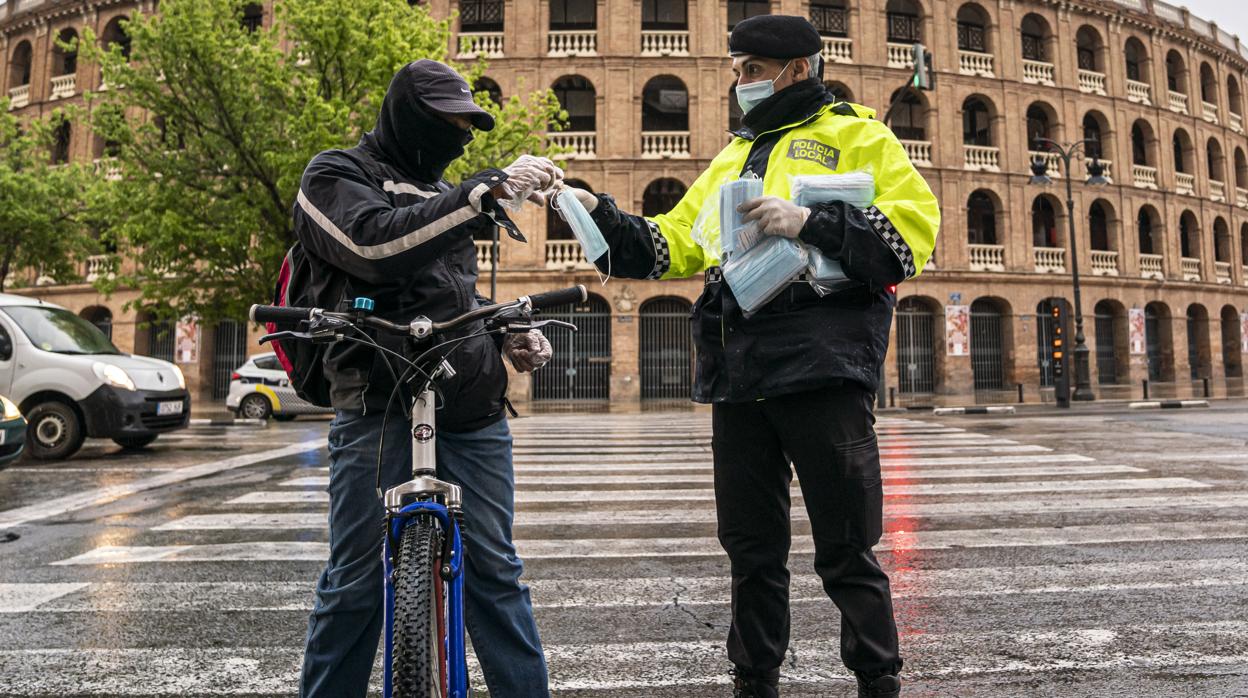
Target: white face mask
<point x="748" y="96"/>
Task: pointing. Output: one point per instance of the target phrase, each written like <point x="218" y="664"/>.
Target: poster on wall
<point x="1243" y="331"/>
<point x="1136" y="318"/>
<point x="186" y="340"/>
<point x="957" y="330"/>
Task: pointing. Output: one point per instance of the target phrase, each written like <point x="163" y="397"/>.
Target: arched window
<point x="481" y="15"/>
<point x="905" y="21"/>
<point x="1217" y="164"/>
<point x="1221" y="241"/>
<point x="115" y="34"/>
<point x="62" y="137"/>
<point x="570" y="15"/>
<point x="1241" y="169"/>
<point x="839" y="91"/>
<point x="1139" y="144"/>
<point x="666" y="349"/>
<point x="1098" y="226"/>
<point x="1088" y="49"/>
<point x="917" y="345"/>
<point x="981" y="219"/>
<point x="744" y="9"/>
<point x="1039" y="125"/>
<point x="253" y="17"/>
<point x="1158" y="343"/>
<point x="1112" y="352"/>
<point x="665" y="105"/>
<point x="1145" y="225"/>
<point x="988" y="337"/>
<point x="973" y="29"/>
<point x="20" y="65"/>
<point x="493" y="92"/>
<point x="664" y="15"/>
<point x="830" y="17"/>
<point x="65" y="61"/>
<point x="661" y="196"/>
<point x="1136" y="58"/>
<point x="1182" y="152"/>
<point x="1243" y="244"/>
<point x="1189" y="236"/>
<point x="577" y="97"/>
<point x="976" y="122"/>
<point x="1208" y="85"/>
<point x="1176" y="73"/>
<point x="909" y="121"/>
<point x="1044" y="223"/>
<point x="1094" y="133"/>
<point x="99" y="316"/>
<point x="1234" y="98"/>
<point x="1036" y="38"/>
<point x="1199" y="359"/>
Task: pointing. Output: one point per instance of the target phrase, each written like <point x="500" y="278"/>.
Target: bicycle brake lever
<point x="287" y="334"/>
<point x="519" y="328"/>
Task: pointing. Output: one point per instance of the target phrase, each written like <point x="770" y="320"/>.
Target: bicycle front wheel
<point x="416" y="653"/>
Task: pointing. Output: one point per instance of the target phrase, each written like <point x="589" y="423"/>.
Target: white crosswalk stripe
<point x="618" y="489"/>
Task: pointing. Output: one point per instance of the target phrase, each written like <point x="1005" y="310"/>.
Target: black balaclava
<point x="411" y="137"/>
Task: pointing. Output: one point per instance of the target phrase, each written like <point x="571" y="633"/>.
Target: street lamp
<point x="1096" y="177"/>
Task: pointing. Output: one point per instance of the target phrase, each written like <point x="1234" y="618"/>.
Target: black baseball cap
<point x="441" y="89"/>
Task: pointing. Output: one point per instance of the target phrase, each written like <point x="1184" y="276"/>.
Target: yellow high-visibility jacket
<point x="800" y="340"/>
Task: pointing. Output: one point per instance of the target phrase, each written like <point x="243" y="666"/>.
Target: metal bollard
<point x="1145" y="389"/>
<point x="1206" y="382"/>
<point x="1020" y="393"/>
<point x="892" y="397"/>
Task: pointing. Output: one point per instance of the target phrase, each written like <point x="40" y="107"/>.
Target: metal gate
<point x="160" y="336"/>
<point x="1152" y="343"/>
<point x="916" y="354"/>
<point x="1196" y="326"/>
<point x="229" y="351"/>
<point x="666" y="350"/>
<point x="581" y="366"/>
<point x="1044" y="348"/>
<point x="1106" y="356"/>
<point x="987" y="349"/>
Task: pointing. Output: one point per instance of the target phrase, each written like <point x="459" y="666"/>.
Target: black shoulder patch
<point x="843" y="109"/>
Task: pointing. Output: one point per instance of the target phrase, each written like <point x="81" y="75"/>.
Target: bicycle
<point x="425" y="652"/>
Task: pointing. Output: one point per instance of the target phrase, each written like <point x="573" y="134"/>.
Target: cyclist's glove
<point x="527" y="352"/>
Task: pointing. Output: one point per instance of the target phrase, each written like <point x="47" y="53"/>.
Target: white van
<point x="71" y="382"/>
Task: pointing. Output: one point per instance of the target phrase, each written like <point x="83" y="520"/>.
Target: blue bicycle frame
<point x="402" y="512"/>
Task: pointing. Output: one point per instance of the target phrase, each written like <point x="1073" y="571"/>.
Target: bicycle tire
<point x="415" y="660"/>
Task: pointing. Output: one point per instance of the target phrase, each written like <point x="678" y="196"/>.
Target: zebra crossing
<point x="1008" y="558"/>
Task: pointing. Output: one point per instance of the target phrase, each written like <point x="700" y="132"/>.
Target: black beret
<point x="775" y="36"/>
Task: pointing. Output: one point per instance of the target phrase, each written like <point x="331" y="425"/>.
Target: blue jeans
<point x="347" y="619"/>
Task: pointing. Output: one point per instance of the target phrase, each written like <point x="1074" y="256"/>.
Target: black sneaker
<point x="886" y="686"/>
<point x="748" y="687"/>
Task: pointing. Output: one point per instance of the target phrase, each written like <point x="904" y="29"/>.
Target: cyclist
<point x="796" y="380"/>
<point x="378" y="220"/>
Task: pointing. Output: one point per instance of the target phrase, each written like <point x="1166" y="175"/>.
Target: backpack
<point x="304" y="361"/>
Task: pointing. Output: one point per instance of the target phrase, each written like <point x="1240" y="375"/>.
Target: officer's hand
<point x="531" y="177"/>
<point x="527" y="352"/>
<point x="588" y="200"/>
<point x="775" y="216"/>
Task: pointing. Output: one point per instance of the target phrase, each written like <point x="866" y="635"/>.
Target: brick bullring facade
<point x="1158" y="93"/>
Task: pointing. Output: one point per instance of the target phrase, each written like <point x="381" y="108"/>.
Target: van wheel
<point x="255" y="406"/>
<point x="134" y="442"/>
<point x="54" y="431"/>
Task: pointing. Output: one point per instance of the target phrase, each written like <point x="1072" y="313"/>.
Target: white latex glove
<point x="530" y="178"/>
<point x="588" y="200"/>
<point x="775" y="216"/>
<point x="527" y="352"/>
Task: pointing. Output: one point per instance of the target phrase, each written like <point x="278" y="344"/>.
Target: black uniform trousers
<point x="829" y="436"/>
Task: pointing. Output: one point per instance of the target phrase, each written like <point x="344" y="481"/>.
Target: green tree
<point x="214" y="124"/>
<point x="42" y="222"/>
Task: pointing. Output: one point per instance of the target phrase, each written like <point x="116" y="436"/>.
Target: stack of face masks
<point x="583" y="227"/>
<point x="734" y="234"/>
<point x="854" y="188"/>
<point x="758" y="274"/>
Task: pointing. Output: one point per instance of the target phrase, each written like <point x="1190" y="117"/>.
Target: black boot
<point x="885" y="686"/>
<point x="745" y="685"/>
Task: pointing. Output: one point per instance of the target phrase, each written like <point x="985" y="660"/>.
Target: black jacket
<point x="799" y="341"/>
<point x="378" y="220"/>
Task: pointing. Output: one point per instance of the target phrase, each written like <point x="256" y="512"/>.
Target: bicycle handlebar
<point x="291" y="315"/>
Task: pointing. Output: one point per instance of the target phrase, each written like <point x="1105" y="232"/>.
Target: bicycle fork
<point x="425" y="495"/>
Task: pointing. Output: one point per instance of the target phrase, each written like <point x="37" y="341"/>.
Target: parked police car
<point x="259" y="389"/>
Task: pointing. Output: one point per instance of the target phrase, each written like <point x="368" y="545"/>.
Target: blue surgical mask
<point x="748" y="96"/>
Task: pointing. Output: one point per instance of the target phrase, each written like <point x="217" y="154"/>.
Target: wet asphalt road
<point x="1093" y="554"/>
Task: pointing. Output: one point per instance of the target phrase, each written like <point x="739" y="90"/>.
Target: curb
<point x="1167" y="404"/>
<point x="227" y="422"/>
<point x="973" y="410"/>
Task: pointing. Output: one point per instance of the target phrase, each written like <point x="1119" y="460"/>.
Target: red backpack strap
<point x="280" y="299"/>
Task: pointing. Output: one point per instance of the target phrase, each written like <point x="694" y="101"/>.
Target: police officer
<point x="794" y="382"/>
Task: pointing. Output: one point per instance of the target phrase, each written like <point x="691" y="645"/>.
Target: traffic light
<point x="1059" y="348"/>
<point x="924" y="75"/>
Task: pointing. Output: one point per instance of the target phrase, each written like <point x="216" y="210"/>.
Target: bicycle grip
<point x="550" y="299"/>
<point x="278" y="314"/>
